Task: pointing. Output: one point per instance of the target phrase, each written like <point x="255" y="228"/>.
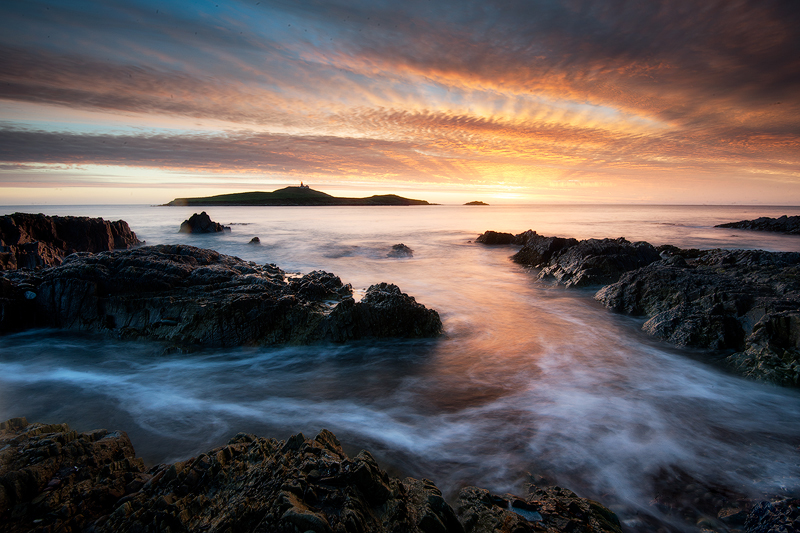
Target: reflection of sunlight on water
<point x="528" y="378"/>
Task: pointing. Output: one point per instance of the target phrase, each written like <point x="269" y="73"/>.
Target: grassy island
<point x="302" y="195"/>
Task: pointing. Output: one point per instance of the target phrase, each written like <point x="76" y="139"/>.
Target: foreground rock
<point x="202" y="223"/>
<point x="784" y="224"/>
<point x="34" y="241"/>
<point x="195" y="297"/>
<point x="576" y="263"/>
<point x="741" y="304"/>
<point x="745" y="303"/>
<point x="55" y="479"/>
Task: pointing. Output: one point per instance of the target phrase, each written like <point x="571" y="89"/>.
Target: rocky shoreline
<point x="741" y="304"/>
<point x="76" y="277"/>
<point x="783" y="224"/>
<point x="192" y="297"/>
<point x="53" y="478"/>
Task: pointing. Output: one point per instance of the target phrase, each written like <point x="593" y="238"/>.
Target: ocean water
<point x="530" y="381"/>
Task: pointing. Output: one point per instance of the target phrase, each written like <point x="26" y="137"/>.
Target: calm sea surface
<point x="529" y="380"/>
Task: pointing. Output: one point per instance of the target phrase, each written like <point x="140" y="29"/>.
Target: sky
<point x="534" y="101"/>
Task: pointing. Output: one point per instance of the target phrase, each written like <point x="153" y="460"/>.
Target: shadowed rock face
<point x="34" y="241"/>
<point x="202" y="223"/>
<point x="54" y="478"/>
<point x="191" y="296"/>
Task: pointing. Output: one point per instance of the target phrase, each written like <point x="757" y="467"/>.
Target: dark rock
<point x="779" y="517"/>
<point x="741" y="304"/>
<point x="35" y="241"/>
<point x="538" y="250"/>
<point x="476" y="202"/>
<point x="191" y="296"/>
<point x="745" y="303"/>
<point x="548" y="509"/>
<point x="400" y="250"/>
<point x="55" y="479"/>
<point x="576" y="263"/>
<point x="783" y="224"/>
<point x="255" y="240"/>
<point x="52" y="476"/>
<point x="597" y="261"/>
<point x="495" y="237"/>
<point x="202" y="223"/>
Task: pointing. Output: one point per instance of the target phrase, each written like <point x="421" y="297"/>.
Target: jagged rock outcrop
<point x="783" y="224"/>
<point x="55" y="479"/>
<point x="189" y="296"/>
<point x="741" y="301"/>
<point x="576" y="263"/>
<point x="741" y="304"/>
<point x="781" y="516"/>
<point x="37" y="240"/>
<point x="202" y="223"/>
<point x="400" y="250"/>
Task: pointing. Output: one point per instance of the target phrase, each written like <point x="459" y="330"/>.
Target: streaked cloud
<point x="551" y="94"/>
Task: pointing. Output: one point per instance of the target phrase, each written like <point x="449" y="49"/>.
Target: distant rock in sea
<point x="35" y="241"/>
<point x="400" y="250"/>
<point x="476" y="202"/>
<point x="255" y="240"/>
<point x="202" y="223"/>
<point x="192" y="297"/>
<point x="53" y="478"/>
<point x="784" y="224"/>
<point x="743" y="304"/>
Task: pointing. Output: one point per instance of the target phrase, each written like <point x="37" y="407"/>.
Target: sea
<point x="531" y="382"/>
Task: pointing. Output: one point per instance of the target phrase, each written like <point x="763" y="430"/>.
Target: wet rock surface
<point x="202" y="223"/>
<point x="190" y="296"/>
<point x="36" y="240"/>
<point x="743" y="305"/>
<point x="783" y="224"/>
<point x="575" y="263"/>
<point x="545" y="509"/>
<point x="55" y="479"/>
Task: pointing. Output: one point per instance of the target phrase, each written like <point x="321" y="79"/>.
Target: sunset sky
<point x="135" y="101"/>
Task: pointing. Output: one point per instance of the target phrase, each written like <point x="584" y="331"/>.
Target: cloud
<point x="465" y="92"/>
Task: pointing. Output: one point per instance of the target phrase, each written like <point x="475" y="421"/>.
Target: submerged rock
<point x="400" y="250"/>
<point x="783" y="224"/>
<point x="255" y="240"/>
<point x="55" y="479"/>
<point x="202" y="223"/>
<point x="34" y="241"/>
<point x="192" y="296"/>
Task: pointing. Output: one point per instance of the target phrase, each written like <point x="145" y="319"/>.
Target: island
<point x="476" y="202"/>
<point x="293" y="196"/>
